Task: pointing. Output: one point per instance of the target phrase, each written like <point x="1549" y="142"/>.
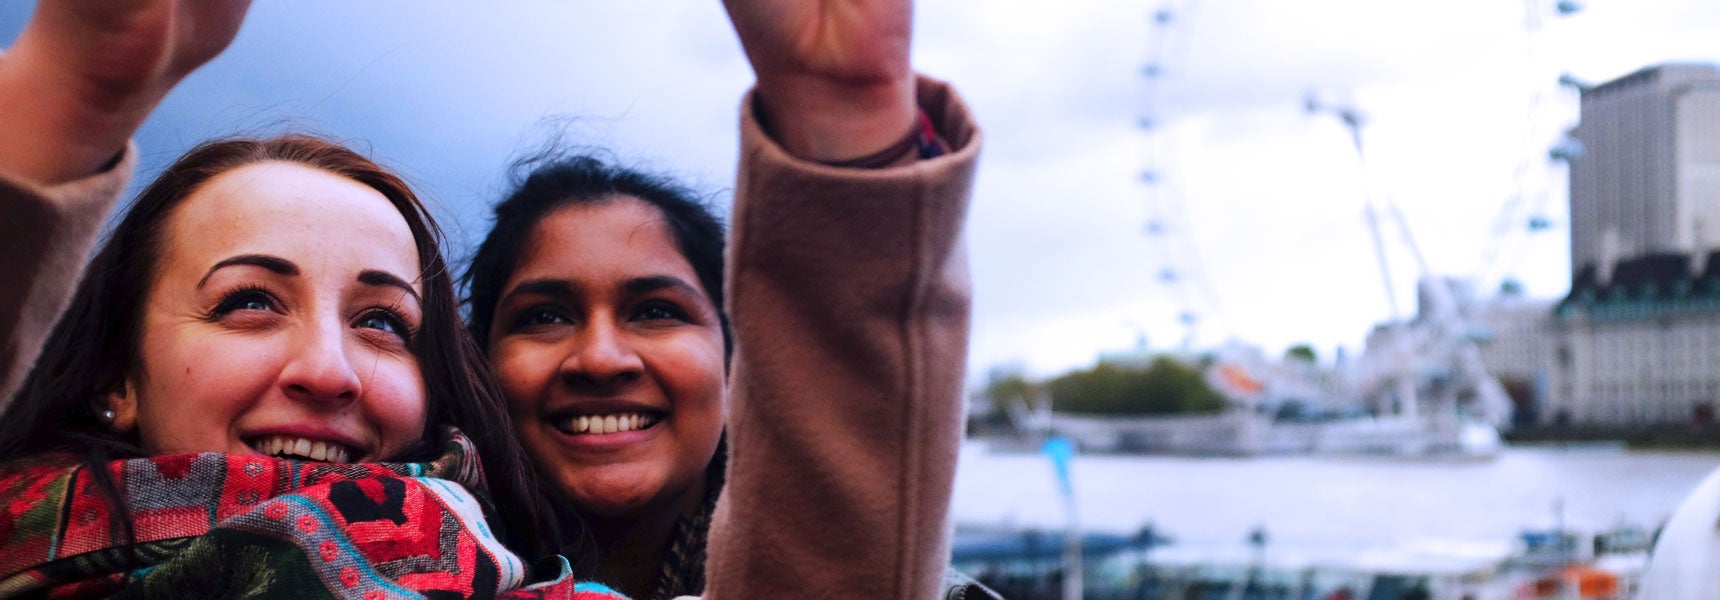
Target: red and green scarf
<point x="227" y="526"/>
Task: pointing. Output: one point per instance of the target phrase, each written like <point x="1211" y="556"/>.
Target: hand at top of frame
<point x="84" y="75"/>
<point x="834" y="81"/>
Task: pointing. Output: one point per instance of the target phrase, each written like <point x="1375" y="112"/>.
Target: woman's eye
<point x="247" y="299"/>
<point x="658" y="311"/>
<point x="540" y="316"/>
<point x="385" y="322"/>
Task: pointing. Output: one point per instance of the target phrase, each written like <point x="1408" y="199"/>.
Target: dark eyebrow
<point x="636" y="286"/>
<point x="279" y="266"/>
<point x="375" y="277"/>
<point x="541" y="287"/>
<point x="642" y="285"/>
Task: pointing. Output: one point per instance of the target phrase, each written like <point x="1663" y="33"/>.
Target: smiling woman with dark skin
<point x="599" y="297"/>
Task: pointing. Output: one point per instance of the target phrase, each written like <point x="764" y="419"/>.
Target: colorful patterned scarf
<point x="227" y="526"/>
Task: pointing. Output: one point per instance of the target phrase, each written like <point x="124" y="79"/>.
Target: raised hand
<point x="84" y="75"/>
<point x="834" y="80"/>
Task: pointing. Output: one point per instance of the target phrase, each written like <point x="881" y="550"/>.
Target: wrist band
<point x="928" y="142"/>
<point x="922" y="140"/>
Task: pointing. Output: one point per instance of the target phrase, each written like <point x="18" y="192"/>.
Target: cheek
<point x="194" y="388"/>
<point x="693" y="374"/>
<point x="397" y="402"/>
<point x="524" y="371"/>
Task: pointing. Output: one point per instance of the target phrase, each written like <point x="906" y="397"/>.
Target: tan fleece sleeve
<point x="45" y="238"/>
<point x="849" y="295"/>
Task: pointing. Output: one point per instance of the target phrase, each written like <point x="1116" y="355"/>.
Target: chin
<point x="611" y="498"/>
<point x="612" y="507"/>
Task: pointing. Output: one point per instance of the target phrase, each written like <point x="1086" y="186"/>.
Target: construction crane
<point x="1427" y="368"/>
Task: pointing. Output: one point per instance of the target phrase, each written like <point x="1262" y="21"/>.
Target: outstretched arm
<point x="77" y="84"/>
<point x="849" y="300"/>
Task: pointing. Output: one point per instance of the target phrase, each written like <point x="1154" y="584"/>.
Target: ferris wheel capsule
<point x="1567" y="150"/>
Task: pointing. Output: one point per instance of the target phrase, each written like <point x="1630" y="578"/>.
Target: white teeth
<point x="606" y="424"/>
<point x="301" y="448"/>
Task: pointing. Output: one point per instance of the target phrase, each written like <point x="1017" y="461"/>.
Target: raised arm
<point x="849" y="300"/>
<point x="75" y="86"/>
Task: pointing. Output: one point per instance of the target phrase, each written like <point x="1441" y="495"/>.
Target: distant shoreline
<point x="1650" y="437"/>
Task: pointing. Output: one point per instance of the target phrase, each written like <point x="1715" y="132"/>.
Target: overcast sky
<point x="1259" y="204"/>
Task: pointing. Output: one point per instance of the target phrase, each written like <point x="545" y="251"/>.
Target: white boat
<point x="1241" y="433"/>
<point x="1400" y="436"/>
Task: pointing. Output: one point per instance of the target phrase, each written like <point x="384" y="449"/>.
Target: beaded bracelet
<point x="922" y="140"/>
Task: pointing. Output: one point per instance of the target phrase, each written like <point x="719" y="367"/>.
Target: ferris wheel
<point x="1178" y="270"/>
<point x="1526" y="213"/>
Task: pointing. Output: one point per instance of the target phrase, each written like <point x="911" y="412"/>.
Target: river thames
<point x="1334" y="500"/>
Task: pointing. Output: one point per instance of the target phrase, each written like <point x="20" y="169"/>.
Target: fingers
<point x="834" y="80"/>
<point x="208" y="27"/>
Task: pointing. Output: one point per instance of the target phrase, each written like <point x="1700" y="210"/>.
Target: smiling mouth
<point x="298" y="448"/>
<point x="604" y="424"/>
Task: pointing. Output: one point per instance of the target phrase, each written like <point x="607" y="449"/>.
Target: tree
<point x="1004" y="390"/>
<point x="1302" y="352"/>
<point x="1164" y="387"/>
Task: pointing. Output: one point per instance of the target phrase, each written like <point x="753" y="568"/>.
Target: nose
<point x="602" y="357"/>
<point x="320" y="372"/>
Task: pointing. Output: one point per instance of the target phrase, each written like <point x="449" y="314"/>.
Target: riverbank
<point x="1655" y="437"/>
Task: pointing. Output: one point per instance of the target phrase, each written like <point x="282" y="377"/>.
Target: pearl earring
<point x="106" y="417"/>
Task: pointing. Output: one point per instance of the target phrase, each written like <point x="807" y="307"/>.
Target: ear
<point x="123" y="403"/>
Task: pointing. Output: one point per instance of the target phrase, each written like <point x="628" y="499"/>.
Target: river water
<point x="1334" y="500"/>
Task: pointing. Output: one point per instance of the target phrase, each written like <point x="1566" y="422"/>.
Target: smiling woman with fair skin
<point x="268" y="323"/>
<point x="268" y="335"/>
<point x="279" y="323"/>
